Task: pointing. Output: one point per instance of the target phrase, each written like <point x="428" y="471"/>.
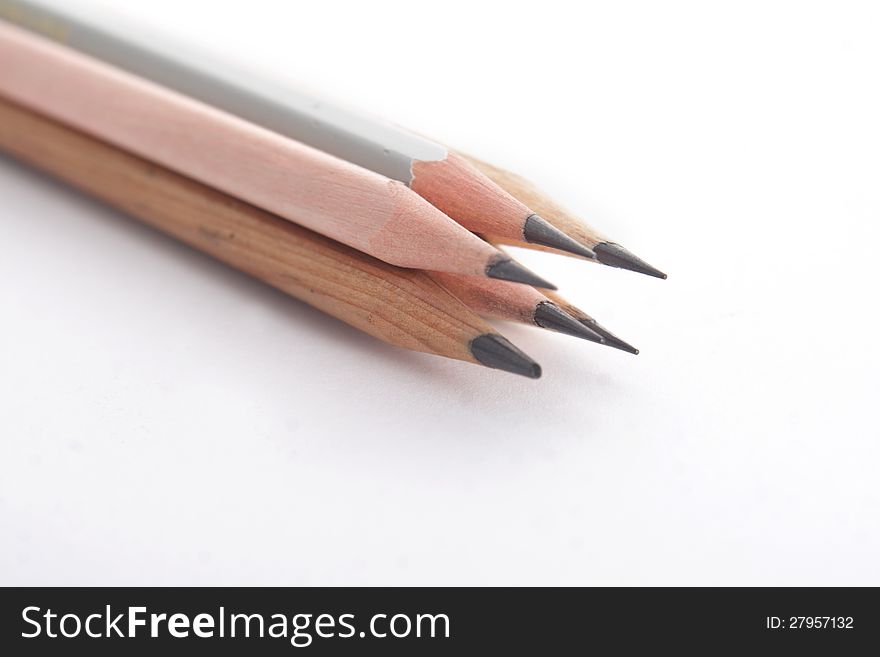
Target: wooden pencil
<point x="442" y="177"/>
<point x="608" y="338"/>
<point x="606" y="251"/>
<point x="336" y="198"/>
<point x="515" y="303"/>
<point x="491" y="300"/>
<point x="403" y="307"/>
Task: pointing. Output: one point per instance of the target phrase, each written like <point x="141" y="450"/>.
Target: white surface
<point x="168" y="421"/>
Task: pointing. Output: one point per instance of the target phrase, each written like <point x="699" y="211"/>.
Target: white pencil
<point x="444" y="178"/>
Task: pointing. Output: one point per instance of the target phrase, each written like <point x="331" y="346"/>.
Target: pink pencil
<point x="517" y="303"/>
<point x="352" y="205"/>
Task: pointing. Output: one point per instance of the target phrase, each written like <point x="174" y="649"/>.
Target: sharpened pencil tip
<point x="537" y="231"/>
<point x="614" y="255"/>
<point x="609" y="339"/>
<point x="550" y="316"/>
<point x="507" y="269"/>
<point x="495" y="351"/>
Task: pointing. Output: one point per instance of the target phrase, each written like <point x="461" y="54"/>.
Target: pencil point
<point x="507" y="269"/>
<point x="614" y="255"/>
<point x="537" y="231"/>
<point x="609" y="339"/>
<point x="550" y="316"/>
<point x="495" y="351"/>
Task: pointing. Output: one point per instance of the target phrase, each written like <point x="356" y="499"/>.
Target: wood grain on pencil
<point x="350" y="204"/>
<point x="401" y="306"/>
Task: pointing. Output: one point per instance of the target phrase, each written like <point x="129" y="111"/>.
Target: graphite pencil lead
<point x="538" y="231"/>
<point x="609" y="339"/>
<point x="494" y="351"/>
<point x="614" y="255"/>
<point x="507" y="269"/>
<point x="550" y="316"/>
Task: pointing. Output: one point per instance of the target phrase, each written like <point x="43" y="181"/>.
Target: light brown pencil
<point x="403" y="307"/>
<point x="606" y="251"/>
<point x="336" y="198"/>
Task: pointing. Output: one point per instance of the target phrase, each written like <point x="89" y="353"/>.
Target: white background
<point x="166" y="420"/>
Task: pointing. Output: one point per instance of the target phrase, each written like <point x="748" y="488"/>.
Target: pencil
<point x="515" y="303"/>
<point x="403" y="307"/>
<point x="442" y="177"/>
<point x="608" y="338"/>
<point x="606" y="251"/>
<point x="336" y="198"/>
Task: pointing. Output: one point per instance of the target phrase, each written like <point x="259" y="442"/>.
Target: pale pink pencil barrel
<point x="338" y="199"/>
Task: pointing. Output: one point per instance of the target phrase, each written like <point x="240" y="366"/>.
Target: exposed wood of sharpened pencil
<point x="445" y="179"/>
<point x="496" y="298"/>
<point x="605" y="250"/>
<point x="516" y="303"/>
<point x="608" y="338"/>
<point x="481" y="205"/>
<point x="299" y="183"/>
<point x="403" y="307"/>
